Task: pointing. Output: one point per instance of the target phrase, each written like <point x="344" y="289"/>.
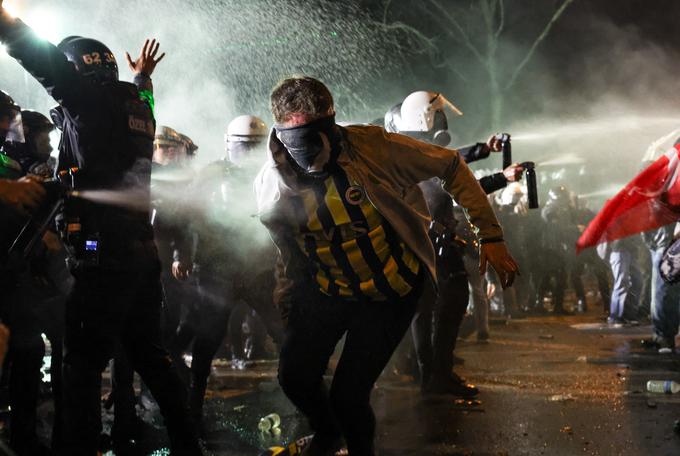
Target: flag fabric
<point x="651" y="200"/>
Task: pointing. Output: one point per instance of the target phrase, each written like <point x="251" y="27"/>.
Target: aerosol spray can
<point x="532" y="188"/>
<point x="506" y="147"/>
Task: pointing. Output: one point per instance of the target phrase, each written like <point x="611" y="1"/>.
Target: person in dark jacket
<point x="108" y="130"/>
<point x="32" y="307"/>
<point x="559" y="237"/>
<point x="171" y="177"/>
<point x="437" y="323"/>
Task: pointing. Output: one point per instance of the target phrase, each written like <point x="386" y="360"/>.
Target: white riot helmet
<point x="422" y="116"/>
<point x="244" y="133"/>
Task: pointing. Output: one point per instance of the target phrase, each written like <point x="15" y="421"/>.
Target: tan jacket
<point x="389" y="167"/>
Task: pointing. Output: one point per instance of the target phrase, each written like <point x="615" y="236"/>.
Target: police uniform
<point x="107" y="133"/>
<point x="234" y="262"/>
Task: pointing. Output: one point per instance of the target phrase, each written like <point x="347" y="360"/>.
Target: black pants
<point x="177" y="297"/>
<point x="24" y="360"/>
<point x="106" y="308"/>
<point x="24" y="363"/>
<point x="438" y="319"/>
<point x="315" y="325"/>
<point x="601" y="271"/>
<point x="554" y="268"/>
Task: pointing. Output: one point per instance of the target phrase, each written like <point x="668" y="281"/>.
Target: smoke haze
<point x="595" y="90"/>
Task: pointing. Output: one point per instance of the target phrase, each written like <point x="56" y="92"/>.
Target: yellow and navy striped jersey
<point x="355" y="251"/>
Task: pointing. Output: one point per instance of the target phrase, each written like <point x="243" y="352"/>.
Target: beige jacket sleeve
<point x="417" y="161"/>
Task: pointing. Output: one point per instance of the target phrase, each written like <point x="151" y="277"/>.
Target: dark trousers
<point x="315" y="325"/>
<point x="24" y="386"/>
<point x="175" y="295"/>
<point x="24" y="360"/>
<point x="106" y="308"/>
<point x="599" y="268"/>
<point x="554" y="268"/>
<point x="438" y="319"/>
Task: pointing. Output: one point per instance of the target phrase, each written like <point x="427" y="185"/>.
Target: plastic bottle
<point x="663" y="386"/>
<point x="269" y="422"/>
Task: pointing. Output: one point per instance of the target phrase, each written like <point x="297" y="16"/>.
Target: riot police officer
<point x="33" y="155"/>
<point x="170" y="177"/>
<point x="559" y="239"/>
<point x="234" y="260"/>
<point x="16" y="196"/>
<point x="108" y="130"/>
<point x="422" y="116"/>
<point x="11" y="128"/>
<point x="33" y="307"/>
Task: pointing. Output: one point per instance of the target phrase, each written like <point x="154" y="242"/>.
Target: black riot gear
<point x="91" y="58"/>
<point x="7" y="104"/>
<point x="34" y="121"/>
<point x="37" y="128"/>
<point x="106" y="149"/>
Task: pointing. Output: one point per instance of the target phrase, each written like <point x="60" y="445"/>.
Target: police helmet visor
<point x="11" y="126"/>
<point x="244" y="153"/>
<point x="169" y="153"/>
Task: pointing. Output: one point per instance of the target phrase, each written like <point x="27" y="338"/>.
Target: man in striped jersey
<point x="350" y="222"/>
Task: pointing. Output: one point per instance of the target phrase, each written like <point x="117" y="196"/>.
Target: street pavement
<point x="549" y="386"/>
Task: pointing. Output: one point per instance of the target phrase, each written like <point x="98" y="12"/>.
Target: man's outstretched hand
<point x="497" y="255"/>
<point x="147" y="61"/>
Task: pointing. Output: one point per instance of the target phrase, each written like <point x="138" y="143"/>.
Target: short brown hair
<point x="301" y="94"/>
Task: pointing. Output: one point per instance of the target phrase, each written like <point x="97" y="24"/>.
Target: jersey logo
<point x="355" y="195"/>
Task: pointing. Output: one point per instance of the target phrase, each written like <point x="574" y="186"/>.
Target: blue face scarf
<point x="304" y="143"/>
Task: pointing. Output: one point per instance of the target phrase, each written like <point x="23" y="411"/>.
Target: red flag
<point x="649" y="201"/>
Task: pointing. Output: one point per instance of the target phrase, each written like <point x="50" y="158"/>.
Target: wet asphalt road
<point x="549" y="385"/>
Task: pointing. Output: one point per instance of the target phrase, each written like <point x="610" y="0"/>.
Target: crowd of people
<point x="124" y="253"/>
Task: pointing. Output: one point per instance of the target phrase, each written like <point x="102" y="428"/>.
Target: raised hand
<point x="147" y="61"/>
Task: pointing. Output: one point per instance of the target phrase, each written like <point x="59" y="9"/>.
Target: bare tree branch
<point x="501" y="18"/>
<point x="386" y="8"/>
<point x="537" y="42"/>
<point x="487" y="13"/>
<point x="427" y="43"/>
<point x="463" y="34"/>
<point x="448" y="63"/>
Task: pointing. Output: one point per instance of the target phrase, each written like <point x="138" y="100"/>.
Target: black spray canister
<point x="506" y="147"/>
<point x="532" y="188"/>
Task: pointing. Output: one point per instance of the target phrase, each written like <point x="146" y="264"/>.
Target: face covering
<point x="304" y="143"/>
